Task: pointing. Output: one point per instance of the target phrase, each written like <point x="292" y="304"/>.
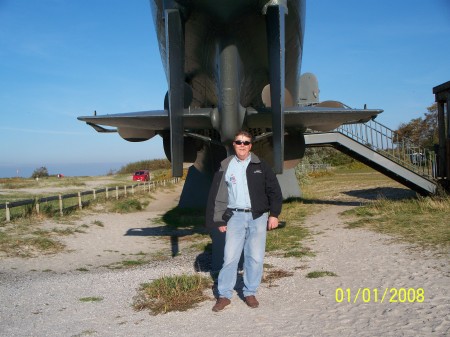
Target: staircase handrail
<point x="390" y="144"/>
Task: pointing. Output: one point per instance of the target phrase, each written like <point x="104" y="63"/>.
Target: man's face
<point x="242" y="151"/>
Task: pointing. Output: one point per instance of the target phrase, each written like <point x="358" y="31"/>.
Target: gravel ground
<point x="41" y="296"/>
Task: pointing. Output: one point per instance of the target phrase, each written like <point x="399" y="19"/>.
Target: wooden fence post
<point x="80" y="204"/>
<point x="8" y="214"/>
<point x="125" y="190"/>
<point x="60" y="205"/>
<point x="38" y="208"/>
<point x="93" y="193"/>
<point x="117" y="192"/>
<point x="106" y="193"/>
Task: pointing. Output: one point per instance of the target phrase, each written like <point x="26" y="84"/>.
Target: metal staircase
<point x="382" y="149"/>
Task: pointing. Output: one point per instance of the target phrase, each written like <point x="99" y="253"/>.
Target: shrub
<point x="40" y="172"/>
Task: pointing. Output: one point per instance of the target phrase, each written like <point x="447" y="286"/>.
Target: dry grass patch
<point x="385" y="206"/>
<point x="127" y="205"/>
<point x="341" y="183"/>
<point x="91" y="299"/>
<point x="172" y="293"/>
<point x="287" y="240"/>
<point x="15" y="245"/>
<point x="422" y="220"/>
<point x="322" y="273"/>
<point x="28" y="237"/>
<point x="272" y="275"/>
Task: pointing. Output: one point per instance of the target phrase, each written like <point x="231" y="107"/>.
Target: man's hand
<point x="222" y="229"/>
<point x="272" y="223"/>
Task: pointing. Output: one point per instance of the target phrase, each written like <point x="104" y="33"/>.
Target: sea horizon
<point x="69" y="170"/>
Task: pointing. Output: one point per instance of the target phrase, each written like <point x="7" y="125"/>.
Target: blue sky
<point x="61" y="59"/>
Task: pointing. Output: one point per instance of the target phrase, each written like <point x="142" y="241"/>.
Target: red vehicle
<point x="141" y="175"/>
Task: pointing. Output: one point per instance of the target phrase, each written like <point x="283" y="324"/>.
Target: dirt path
<point x="120" y="237"/>
<point x="48" y="304"/>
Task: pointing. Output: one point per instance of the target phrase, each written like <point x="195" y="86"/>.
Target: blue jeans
<point x="243" y="233"/>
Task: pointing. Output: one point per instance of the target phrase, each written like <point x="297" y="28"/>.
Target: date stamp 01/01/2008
<point x="375" y="295"/>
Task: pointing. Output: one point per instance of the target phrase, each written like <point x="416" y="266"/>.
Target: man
<point x="244" y="202"/>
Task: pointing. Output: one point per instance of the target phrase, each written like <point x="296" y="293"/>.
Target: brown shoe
<point x="221" y="303"/>
<point x="251" y="301"/>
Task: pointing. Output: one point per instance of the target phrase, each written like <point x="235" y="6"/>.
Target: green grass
<point x="98" y="223"/>
<point x="288" y="240"/>
<point x="16" y="244"/>
<point x="91" y="299"/>
<point x="130" y="263"/>
<point x="387" y="207"/>
<point x="151" y="165"/>
<point x="68" y="185"/>
<point x="172" y="293"/>
<point x="26" y="238"/>
<point x="16" y="183"/>
<point x="133" y="263"/>
<point x="126" y="206"/>
<point x="419" y="220"/>
<point x="339" y="182"/>
<point x="184" y="217"/>
<point x="317" y="274"/>
<point x="201" y="245"/>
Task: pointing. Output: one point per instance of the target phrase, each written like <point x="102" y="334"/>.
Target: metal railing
<point x="388" y="142"/>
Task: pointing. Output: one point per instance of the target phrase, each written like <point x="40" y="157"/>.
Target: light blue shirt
<point x="236" y="180"/>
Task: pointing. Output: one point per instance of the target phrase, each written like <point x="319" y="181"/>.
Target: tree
<point x="421" y="131"/>
<point x="40" y="172"/>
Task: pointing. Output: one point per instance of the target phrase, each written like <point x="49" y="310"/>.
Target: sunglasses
<point x="240" y="142"/>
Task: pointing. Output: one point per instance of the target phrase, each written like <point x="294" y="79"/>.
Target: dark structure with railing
<point x="442" y="98"/>
<point x="381" y="148"/>
<point x="424" y="171"/>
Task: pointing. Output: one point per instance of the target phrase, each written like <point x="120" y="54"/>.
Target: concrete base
<point x="289" y="184"/>
<point x="195" y="189"/>
<point x="199" y="178"/>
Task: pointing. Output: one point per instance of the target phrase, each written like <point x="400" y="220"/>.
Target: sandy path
<point x="119" y="239"/>
<point x="47" y="304"/>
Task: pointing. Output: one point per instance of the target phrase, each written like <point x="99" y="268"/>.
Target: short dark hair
<point x="245" y="134"/>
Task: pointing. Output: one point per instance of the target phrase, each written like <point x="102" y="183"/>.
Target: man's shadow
<point x="164" y="231"/>
<point x="179" y="222"/>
